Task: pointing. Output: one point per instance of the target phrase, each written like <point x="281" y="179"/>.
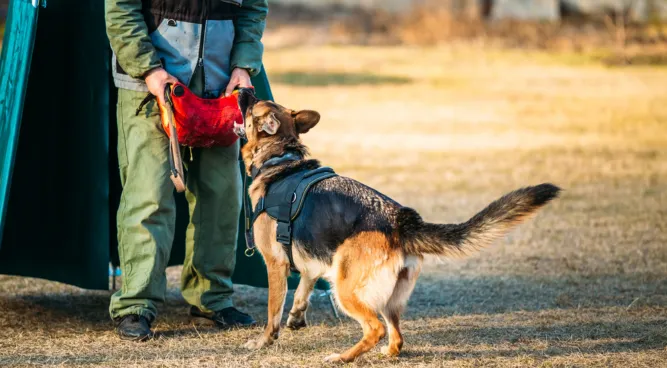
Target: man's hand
<point x="240" y="78"/>
<point x="156" y="80"/>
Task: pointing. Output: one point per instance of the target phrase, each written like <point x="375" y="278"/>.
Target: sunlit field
<point x="444" y="130"/>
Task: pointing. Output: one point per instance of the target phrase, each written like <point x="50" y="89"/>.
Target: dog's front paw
<point x="256" y="344"/>
<point x="296" y="323"/>
<point x="333" y="358"/>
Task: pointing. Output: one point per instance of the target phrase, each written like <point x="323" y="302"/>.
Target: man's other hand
<point x="156" y="80"/>
<point x="240" y="78"/>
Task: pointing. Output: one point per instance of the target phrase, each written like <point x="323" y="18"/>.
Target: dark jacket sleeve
<point x="128" y="34"/>
<point x="249" y="27"/>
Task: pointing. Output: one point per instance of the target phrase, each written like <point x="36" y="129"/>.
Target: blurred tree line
<point x="633" y="10"/>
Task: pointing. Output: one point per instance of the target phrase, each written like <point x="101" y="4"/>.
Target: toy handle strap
<point x="175" y="159"/>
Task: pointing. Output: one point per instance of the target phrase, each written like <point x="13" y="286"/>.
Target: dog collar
<point x="275" y="161"/>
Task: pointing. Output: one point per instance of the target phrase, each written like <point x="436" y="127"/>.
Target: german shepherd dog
<point x="368" y="246"/>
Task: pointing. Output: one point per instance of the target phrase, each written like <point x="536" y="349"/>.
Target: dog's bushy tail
<point x="493" y="222"/>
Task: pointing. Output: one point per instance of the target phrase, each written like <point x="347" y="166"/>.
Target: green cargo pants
<point x="147" y="215"/>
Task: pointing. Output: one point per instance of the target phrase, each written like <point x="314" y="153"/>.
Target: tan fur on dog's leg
<point x="297" y="316"/>
<point x="373" y="329"/>
<point x="393" y="348"/>
<point x="366" y="275"/>
<point x="278" y="273"/>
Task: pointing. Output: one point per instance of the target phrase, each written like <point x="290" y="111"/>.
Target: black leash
<point x="248" y="214"/>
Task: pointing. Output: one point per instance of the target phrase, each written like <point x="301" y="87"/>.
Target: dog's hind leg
<point x="366" y="271"/>
<point x="373" y="329"/>
<point x="407" y="278"/>
<point x="297" y="316"/>
<point x="393" y="348"/>
<point x="278" y="273"/>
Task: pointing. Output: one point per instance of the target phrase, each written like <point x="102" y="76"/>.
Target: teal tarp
<point x="60" y="213"/>
<point x="56" y="224"/>
<point x="14" y="68"/>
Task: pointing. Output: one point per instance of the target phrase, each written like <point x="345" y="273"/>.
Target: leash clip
<point x="249" y="252"/>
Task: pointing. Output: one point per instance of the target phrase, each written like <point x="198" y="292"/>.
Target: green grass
<point x="335" y="79"/>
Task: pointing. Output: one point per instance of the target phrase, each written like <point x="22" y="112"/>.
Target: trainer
<point x="212" y="46"/>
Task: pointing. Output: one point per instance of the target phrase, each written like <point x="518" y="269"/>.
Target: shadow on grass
<point x="89" y="310"/>
<point x="434" y="296"/>
<point x="566" y="332"/>
<point x="102" y="359"/>
<point x="304" y="79"/>
<point x="440" y="296"/>
<point x="55" y="311"/>
<point x="560" y="339"/>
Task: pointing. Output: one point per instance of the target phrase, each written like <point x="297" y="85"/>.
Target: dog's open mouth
<point x="246" y="98"/>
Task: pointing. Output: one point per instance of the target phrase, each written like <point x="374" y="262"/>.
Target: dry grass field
<point x="445" y="131"/>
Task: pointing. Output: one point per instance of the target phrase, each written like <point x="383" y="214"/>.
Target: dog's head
<point x="263" y="119"/>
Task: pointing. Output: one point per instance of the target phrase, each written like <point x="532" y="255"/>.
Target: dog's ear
<point x="305" y="120"/>
<point x="270" y="124"/>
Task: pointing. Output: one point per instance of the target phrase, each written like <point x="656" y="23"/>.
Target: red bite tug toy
<point x="192" y="121"/>
<point x="202" y="122"/>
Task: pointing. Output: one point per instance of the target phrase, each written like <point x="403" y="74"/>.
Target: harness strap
<point x="282" y="201"/>
<point x="283" y="232"/>
<point x="249" y="214"/>
<point x="249" y="220"/>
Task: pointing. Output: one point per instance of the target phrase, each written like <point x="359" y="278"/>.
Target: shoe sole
<point x="202" y="321"/>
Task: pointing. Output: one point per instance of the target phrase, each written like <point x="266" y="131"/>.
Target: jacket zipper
<point x="203" y="32"/>
<point x="203" y="36"/>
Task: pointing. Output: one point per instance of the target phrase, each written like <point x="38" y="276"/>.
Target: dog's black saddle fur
<point x="284" y="200"/>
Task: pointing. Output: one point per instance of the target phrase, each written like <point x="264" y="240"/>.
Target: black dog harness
<point x="282" y="201"/>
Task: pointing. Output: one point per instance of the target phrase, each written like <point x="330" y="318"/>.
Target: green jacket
<point x="218" y="35"/>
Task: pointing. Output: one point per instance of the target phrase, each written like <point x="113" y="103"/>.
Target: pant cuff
<point x="134" y="310"/>
<point x="219" y="305"/>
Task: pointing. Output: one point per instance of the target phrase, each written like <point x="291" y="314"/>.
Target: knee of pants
<point x="147" y="206"/>
<point x="218" y="199"/>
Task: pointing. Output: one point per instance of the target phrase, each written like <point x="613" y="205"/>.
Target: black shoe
<point x="134" y="327"/>
<point x="226" y="318"/>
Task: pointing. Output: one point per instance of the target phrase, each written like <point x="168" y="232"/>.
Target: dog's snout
<point x="246" y="98"/>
